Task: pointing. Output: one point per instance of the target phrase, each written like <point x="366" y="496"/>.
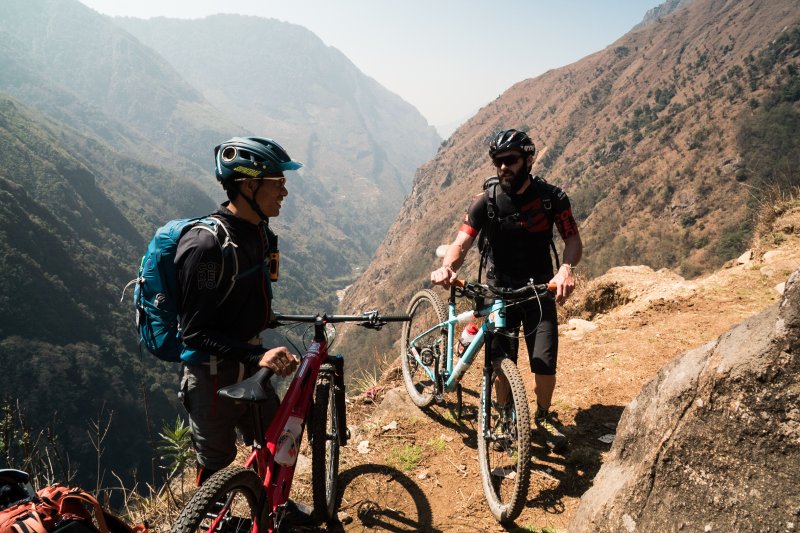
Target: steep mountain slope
<point x="66" y="60"/>
<point x="102" y="140"/>
<point x="651" y="138"/>
<point x="66" y="250"/>
<point x="361" y="142"/>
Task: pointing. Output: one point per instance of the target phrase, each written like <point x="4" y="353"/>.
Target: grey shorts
<point x="214" y="420"/>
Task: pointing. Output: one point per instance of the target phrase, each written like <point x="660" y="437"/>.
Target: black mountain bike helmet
<point x="251" y="157"/>
<point x="511" y="140"/>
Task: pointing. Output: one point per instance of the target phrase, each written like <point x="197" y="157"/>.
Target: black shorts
<point x="541" y="337"/>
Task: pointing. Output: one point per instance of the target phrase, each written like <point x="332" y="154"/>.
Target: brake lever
<point x="372" y="321"/>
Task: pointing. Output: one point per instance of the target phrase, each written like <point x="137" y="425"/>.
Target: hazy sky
<point x="448" y="58"/>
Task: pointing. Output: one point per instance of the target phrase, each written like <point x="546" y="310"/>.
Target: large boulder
<point x="712" y="443"/>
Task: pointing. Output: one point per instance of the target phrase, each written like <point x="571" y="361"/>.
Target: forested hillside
<point x="103" y="140"/>
<point x="66" y="250"/>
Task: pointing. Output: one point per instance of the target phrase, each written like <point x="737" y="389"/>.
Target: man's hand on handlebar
<point x="280" y="359"/>
<point x="444" y="276"/>
<point x="565" y="283"/>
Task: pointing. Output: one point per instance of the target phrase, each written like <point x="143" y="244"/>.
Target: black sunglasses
<point x="507" y="160"/>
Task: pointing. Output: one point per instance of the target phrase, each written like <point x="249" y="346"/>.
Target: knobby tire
<point x="426" y="310"/>
<point x="325" y="428"/>
<point x="204" y="506"/>
<point x="505" y="468"/>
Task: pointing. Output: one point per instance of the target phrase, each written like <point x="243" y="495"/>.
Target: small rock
<point x="629" y="523"/>
<point x="344" y="517"/>
<point x="746" y="258"/>
<point x="423" y="474"/>
<point x="607" y="439"/>
<point x="363" y="447"/>
<point x="390" y="426"/>
<point x="780" y="287"/>
<point x="446" y="438"/>
<point x="707" y="528"/>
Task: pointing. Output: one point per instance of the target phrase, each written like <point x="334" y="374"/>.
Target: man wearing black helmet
<point x="519" y="232"/>
<point x="220" y="318"/>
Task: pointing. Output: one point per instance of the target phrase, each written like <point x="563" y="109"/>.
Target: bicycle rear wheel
<point x="426" y="310"/>
<point x="504" y="448"/>
<point x="230" y="501"/>
<point x="325" y="428"/>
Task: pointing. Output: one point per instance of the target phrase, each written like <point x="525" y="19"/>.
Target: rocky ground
<point x="412" y="470"/>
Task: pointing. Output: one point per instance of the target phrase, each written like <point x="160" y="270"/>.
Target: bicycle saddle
<point x="249" y="390"/>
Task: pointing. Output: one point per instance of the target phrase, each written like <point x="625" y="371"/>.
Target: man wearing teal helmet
<point x="221" y="319"/>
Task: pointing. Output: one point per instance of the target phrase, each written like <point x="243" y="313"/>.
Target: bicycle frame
<point x="278" y="478"/>
<point x="452" y="376"/>
<point x="297" y="402"/>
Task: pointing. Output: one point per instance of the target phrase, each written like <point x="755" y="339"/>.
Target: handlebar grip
<point x="395" y="318"/>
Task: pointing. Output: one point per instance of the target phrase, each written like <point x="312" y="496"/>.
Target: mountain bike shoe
<point x="550" y="430"/>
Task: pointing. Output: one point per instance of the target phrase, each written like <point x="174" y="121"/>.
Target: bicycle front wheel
<point x="325" y="428"/>
<point x="426" y="311"/>
<point x="230" y="501"/>
<point x="504" y="448"/>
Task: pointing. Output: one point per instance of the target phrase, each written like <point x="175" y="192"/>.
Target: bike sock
<point x="203" y="473"/>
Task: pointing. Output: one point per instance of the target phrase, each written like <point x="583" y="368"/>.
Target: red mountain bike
<point x="252" y="498"/>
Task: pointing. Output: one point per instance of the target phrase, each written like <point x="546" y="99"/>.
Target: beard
<point x="511" y="182"/>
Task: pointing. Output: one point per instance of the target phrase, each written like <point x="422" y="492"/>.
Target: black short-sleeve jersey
<point x="520" y="247"/>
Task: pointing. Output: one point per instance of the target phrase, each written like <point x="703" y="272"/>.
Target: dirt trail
<point x="418" y="470"/>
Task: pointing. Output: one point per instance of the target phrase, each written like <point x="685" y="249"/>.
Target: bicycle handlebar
<point x="473" y="289"/>
<point x="369" y="319"/>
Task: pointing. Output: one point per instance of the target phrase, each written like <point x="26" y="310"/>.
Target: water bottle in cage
<point x="467" y="337"/>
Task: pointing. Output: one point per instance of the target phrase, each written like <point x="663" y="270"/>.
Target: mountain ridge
<point x="645" y="138"/>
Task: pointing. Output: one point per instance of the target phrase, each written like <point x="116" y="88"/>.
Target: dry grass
<point x="592" y="297"/>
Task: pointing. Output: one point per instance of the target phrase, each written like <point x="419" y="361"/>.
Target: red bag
<point x="56" y="505"/>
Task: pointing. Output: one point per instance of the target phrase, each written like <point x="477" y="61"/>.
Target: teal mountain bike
<point x="431" y="368"/>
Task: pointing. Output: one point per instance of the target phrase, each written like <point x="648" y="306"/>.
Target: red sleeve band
<point x="469" y="230"/>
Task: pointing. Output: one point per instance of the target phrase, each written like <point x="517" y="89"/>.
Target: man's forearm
<point x="454" y="256"/>
<point x="573" y="250"/>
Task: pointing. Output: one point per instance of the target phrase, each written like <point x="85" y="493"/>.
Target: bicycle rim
<point x="504" y="445"/>
<point x="325" y="451"/>
<point x="230" y="501"/>
<point x="426" y="310"/>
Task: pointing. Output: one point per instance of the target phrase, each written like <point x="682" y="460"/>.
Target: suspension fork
<point x="334" y="365"/>
<point x="486" y="405"/>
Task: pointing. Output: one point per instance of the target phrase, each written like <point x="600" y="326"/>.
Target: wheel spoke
<point x="418" y="359"/>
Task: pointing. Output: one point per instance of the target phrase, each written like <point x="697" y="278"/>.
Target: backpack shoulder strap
<point x="490" y="191"/>
<point x="222" y="234"/>
<point x="547" y="195"/>
<point x="545" y="192"/>
<point x="72" y="504"/>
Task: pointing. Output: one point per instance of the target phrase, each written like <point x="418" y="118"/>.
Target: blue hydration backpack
<point x="155" y="291"/>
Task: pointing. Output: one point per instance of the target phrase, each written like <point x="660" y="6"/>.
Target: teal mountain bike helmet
<point x="511" y="140"/>
<point x="243" y="158"/>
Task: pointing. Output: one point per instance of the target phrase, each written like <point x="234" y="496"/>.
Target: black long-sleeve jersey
<point x="204" y="276"/>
